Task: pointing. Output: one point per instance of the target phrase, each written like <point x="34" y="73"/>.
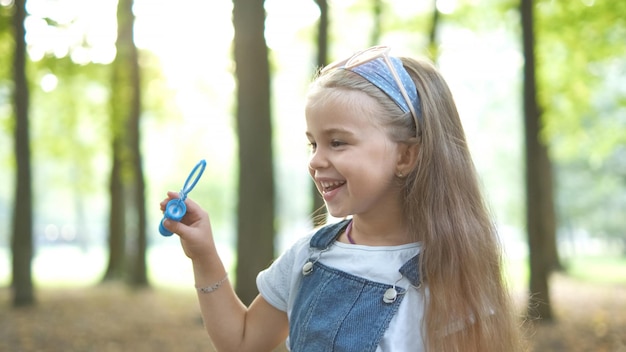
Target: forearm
<point x="231" y="325"/>
<point x="222" y="311"/>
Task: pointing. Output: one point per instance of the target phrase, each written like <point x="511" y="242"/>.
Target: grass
<point x="608" y="269"/>
<point x="598" y="269"/>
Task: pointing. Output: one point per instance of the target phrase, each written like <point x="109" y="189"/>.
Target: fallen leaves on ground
<point x="103" y="318"/>
<point x="588" y="318"/>
<point x="112" y="318"/>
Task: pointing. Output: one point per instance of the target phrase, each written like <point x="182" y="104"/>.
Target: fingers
<point x="194" y="229"/>
<point x="192" y="207"/>
<point x="174" y="195"/>
<point x="170" y="195"/>
<point x="174" y="226"/>
<point x="193" y="213"/>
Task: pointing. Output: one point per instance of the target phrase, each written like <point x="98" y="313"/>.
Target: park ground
<point x="590" y="317"/>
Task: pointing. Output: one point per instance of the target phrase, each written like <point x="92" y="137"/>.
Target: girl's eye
<point x="336" y="143"/>
<point x="312" y="146"/>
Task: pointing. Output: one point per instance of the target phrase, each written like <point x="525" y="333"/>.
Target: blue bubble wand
<point x="176" y="208"/>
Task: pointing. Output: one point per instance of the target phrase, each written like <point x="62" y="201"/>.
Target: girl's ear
<point x="407" y="158"/>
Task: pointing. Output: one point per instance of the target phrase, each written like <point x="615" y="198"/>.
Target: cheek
<point x="377" y="169"/>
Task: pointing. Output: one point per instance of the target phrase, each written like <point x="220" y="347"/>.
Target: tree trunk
<point x="129" y="55"/>
<point x="318" y="207"/>
<point x="433" y="47"/>
<point x="377" y="27"/>
<point x="22" y="235"/>
<point x="539" y="198"/>
<point x="255" y="220"/>
<point x="117" y="213"/>
<point x="127" y="223"/>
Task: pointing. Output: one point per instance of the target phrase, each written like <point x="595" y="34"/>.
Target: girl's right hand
<point x="194" y="229"/>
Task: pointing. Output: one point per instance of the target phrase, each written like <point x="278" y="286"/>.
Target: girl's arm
<point x="231" y="325"/>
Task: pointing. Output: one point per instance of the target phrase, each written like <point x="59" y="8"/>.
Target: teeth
<point x="329" y="186"/>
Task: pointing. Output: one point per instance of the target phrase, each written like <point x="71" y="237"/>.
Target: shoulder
<point x="319" y="237"/>
<point x="276" y="282"/>
<point x="281" y="279"/>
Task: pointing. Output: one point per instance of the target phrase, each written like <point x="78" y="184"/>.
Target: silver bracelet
<point x="213" y="287"/>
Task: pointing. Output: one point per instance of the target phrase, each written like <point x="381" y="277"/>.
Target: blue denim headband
<point x="377" y="72"/>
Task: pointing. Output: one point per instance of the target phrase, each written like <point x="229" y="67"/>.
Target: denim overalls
<point x="337" y="311"/>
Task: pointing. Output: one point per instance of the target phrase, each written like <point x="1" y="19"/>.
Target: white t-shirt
<point x="279" y="283"/>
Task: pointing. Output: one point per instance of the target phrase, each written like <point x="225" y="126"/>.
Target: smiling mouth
<point x="330" y="186"/>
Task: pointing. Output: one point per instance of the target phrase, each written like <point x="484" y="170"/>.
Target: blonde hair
<point x="468" y="307"/>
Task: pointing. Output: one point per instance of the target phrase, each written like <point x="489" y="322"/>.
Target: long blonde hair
<point x="468" y="307"/>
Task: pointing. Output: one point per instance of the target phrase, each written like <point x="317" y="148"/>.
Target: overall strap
<point x="410" y="270"/>
<point x="325" y="236"/>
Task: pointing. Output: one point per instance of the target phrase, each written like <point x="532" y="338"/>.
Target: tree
<point x="130" y="57"/>
<point x="22" y="235"/>
<point x="377" y="27"/>
<point x="117" y="212"/>
<point x="433" y="48"/>
<point x="127" y="187"/>
<point x="540" y="214"/>
<point x="255" y="207"/>
<point x="319" y="208"/>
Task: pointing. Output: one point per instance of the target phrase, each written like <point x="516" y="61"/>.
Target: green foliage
<point x="487" y="15"/>
<point x="581" y="62"/>
<point x="581" y="55"/>
<point x="69" y="115"/>
<point x="580" y="50"/>
<point x="69" y="118"/>
<point x="6" y="63"/>
<point x="157" y="97"/>
<point x="590" y="200"/>
<point x="6" y="13"/>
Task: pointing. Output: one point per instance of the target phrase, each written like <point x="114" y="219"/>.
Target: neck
<point x="368" y="233"/>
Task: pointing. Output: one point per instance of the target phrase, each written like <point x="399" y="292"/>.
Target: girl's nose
<point x="317" y="160"/>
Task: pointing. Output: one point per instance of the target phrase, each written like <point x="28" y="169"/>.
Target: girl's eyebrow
<point x="334" y="130"/>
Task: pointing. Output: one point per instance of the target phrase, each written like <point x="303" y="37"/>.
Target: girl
<point x="414" y="266"/>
